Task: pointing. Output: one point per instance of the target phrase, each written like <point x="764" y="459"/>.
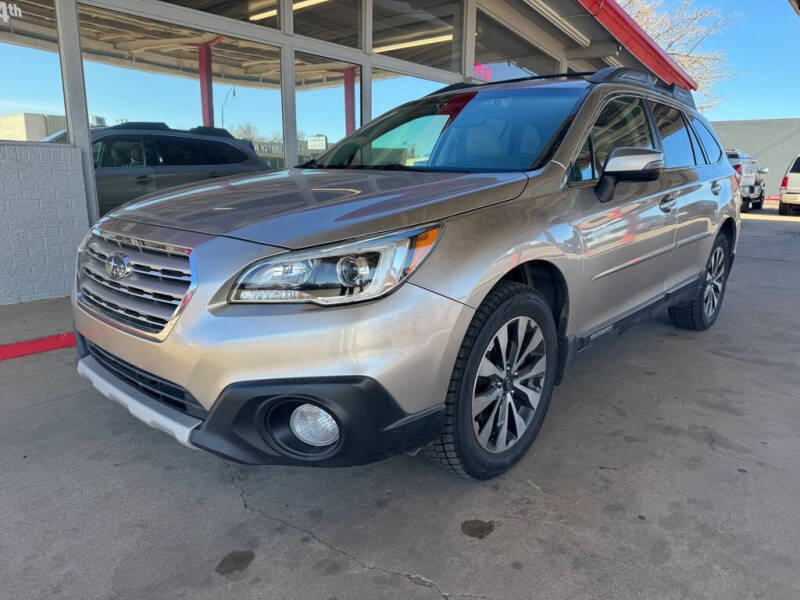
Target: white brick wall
<point x="42" y="219"/>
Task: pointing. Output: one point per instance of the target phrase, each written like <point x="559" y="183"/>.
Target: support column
<point x="289" y="108"/>
<point x="350" y="100"/>
<point x="206" y="84"/>
<point x="75" y="97"/>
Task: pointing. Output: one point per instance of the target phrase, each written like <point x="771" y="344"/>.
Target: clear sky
<point x="761" y="46"/>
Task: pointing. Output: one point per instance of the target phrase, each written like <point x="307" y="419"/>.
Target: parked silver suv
<point x="425" y="283"/>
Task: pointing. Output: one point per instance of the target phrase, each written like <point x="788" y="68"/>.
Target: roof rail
<point x="213" y="131"/>
<point x="628" y="75"/>
<point x="463" y="85"/>
<point x="141" y="125"/>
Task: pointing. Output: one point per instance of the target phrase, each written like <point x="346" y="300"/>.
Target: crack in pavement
<point x="414" y="579"/>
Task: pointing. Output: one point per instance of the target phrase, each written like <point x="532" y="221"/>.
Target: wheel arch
<point x="728" y="228"/>
<point x="547" y="279"/>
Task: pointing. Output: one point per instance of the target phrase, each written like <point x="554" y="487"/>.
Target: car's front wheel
<point x="760" y="204"/>
<point x="501" y="384"/>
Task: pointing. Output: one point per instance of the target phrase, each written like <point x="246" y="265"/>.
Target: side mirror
<point x="763" y="171"/>
<point x="629" y="164"/>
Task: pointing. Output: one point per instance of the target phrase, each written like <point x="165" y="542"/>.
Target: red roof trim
<point x="628" y="32"/>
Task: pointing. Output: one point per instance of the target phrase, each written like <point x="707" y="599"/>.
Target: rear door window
<point x="712" y="147"/>
<point x="671" y="127"/>
<point x="699" y="158"/>
<point x="184" y="152"/>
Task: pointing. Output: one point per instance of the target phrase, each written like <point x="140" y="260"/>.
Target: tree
<point x="245" y="131"/>
<point x="682" y="29"/>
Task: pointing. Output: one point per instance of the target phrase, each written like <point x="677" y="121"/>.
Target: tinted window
<point x="712" y="148"/>
<point x="229" y="155"/>
<point x="622" y="123"/>
<point x="120" y="152"/>
<point x="674" y="136"/>
<point x="177" y="151"/>
<point x="796" y="166"/>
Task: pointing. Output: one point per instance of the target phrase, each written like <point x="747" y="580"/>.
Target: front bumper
<point x="239" y="427"/>
<point x="405" y="344"/>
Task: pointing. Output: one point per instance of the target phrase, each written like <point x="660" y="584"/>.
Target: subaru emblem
<point x="118" y="266"/>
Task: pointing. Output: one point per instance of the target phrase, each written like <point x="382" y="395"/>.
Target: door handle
<point x="143" y="179"/>
<point x="716" y="187"/>
<point x="668" y="202"/>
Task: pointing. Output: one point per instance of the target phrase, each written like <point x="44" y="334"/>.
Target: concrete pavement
<point x="668" y="467"/>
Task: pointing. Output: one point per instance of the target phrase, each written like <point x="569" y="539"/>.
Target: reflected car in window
<point x="133" y="159"/>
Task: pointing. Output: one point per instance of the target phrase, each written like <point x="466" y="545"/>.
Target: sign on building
<point x="317" y="143"/>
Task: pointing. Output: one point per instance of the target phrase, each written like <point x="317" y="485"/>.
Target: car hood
<point x="298" y="208"/>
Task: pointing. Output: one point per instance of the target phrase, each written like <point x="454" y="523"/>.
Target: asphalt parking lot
<point x="668" y="467"/>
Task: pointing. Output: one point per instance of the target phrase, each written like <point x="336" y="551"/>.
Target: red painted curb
<point x="45" y="344"/>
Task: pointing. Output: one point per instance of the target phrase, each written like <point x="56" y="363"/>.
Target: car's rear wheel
<point x="702" y="311"/>
<point x="501" y="384"/>
<point x="783" y="209"/>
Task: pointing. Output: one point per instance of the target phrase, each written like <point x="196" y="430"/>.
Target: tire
<point x="745" y="206"/>
<point x="695" y="314"/>
<point x="760" y="204"/>
<point x="509" y="307"/>
<point x="783" y="209"/>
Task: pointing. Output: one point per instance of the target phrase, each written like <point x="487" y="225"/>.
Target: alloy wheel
<point x="508" y="385"/>
<point x="715" y="280"/>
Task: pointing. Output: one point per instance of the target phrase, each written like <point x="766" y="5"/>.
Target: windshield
<point x="489" y="130"/>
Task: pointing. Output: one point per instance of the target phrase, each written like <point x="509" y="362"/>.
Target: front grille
<point x="155" y="387"/>
<point x="148" y="297"/>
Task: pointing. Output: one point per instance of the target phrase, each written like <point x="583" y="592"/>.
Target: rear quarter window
<point x="796" y="166"/>
<point x="708" y="139"/>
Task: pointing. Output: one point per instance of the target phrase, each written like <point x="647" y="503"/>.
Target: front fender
<point x="477" y="249"/>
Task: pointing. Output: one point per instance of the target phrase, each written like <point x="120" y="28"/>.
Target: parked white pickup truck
<point x="747" y="172"/>
<point x="790" y="188"/>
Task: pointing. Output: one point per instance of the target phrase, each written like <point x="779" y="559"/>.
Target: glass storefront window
<point x="337" y="21"/>
<point x="170" y="105"/>
<point x="328" y="101"/>
<point x="426" y="32"/>
<point x="31" y="93"/>
<point x="393" y="89"/>
<point x="260" y="12"/>
<point x="502" y="54"/>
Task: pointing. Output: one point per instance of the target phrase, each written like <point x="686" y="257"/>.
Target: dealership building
<point x="91" y="92"/>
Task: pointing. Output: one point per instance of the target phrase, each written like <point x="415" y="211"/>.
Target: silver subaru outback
<point x="423" y="284"/>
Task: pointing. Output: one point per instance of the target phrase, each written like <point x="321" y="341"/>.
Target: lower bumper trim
<point x="147" y="410"/>
<point x="372" y="424"/>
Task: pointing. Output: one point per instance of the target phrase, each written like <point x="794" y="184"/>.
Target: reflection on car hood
<point x="305" y="207"/>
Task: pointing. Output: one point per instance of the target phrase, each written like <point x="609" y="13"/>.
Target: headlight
<point x="339" y="274"/>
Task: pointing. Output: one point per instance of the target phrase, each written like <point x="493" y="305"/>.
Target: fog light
<point x="313" y="425"/>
